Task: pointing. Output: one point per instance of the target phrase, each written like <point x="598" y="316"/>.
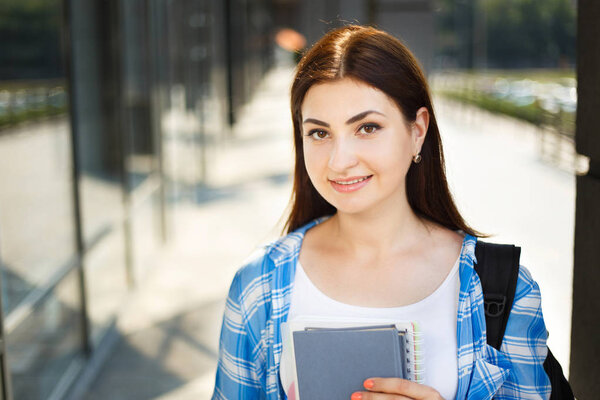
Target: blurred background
<point x="146" y="150"/>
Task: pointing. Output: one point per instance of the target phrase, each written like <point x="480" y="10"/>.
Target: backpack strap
<point x="498" y="269"/>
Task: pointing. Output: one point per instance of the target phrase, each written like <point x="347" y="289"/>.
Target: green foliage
<point x="562" y="121"/>
<point x="30" y="47"/>
<point x="28" y="115"/>
<point x="514" y="33"/>
<point x="522" y="31"/>
<point x="530" y="113"/>
<point x="22" y="101"/>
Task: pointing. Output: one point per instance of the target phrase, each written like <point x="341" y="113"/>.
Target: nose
<point x="343" y="156"/>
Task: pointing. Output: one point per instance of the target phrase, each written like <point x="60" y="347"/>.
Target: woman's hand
<point x="395" y="389"/>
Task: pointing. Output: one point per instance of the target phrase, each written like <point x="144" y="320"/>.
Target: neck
<point x="398" y="229"/>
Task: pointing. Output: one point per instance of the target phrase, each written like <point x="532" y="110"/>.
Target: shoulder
<point x="526" y="285"/>
<point x="258" y="270"/>
<point x="528" y="299"/>
<point x="253" y="269"/>
<point x="443" y="247"/>
<point x="526" y="332"/>
<point x="525" y="343"/>
<point x="449" y="242"/>
<point x="441" y="238"/>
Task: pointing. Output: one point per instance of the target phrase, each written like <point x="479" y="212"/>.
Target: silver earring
<point x="417" y="159"/>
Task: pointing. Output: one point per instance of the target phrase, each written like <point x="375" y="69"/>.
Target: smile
<point x="350" y="184"/>
<point x="352" y="181"/>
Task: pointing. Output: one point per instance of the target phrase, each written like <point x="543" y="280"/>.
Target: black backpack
<point x="498" y="269"/>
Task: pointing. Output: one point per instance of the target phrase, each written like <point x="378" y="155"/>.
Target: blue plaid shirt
<point x="259" y="300"/>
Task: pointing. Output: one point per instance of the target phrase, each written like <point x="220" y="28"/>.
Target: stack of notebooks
<point x="333" y="357"/>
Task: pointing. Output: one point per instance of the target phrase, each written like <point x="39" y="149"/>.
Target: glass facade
<point x="46" y="345"/>
<point x="41" y="297"/>
<point x="107" y="108"/>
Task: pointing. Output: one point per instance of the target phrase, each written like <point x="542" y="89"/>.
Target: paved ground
<point x="503" y="188"/>
<point x="170" y="327"/>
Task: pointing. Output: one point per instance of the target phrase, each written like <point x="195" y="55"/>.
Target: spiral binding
<point x="415" y="362"/>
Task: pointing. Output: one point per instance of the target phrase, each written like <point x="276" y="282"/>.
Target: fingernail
<point x="356" y="396"/>
<point x="369" y="383"/>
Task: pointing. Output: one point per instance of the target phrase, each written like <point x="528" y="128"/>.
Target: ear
<point x="419" y="128"/>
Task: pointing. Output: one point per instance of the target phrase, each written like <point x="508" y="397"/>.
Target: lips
<point x="350" y="184"/>
<point x="351" y="181"/>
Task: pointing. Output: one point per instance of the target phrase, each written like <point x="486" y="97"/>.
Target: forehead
<point x="344" y="98"/>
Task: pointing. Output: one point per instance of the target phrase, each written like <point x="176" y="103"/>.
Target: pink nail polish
<point x="369" y="383"/>
<point x="356" y="396"/>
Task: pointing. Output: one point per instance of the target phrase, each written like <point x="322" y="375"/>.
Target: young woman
<point x="374" y="232"/>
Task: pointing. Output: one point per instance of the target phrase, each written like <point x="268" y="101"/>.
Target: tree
<point x="517" y="33"/>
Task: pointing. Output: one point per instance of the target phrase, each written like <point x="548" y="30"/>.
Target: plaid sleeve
<point x="237" y="376"/>
<point x="524" y="344"/>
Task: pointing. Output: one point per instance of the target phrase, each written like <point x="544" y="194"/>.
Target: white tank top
<point x="435" y="314"/>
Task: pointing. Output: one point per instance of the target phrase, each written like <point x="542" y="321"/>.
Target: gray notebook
<point x="333" y="363"/>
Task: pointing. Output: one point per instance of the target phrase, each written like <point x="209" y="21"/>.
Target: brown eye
<point x="318" y="134"/>
<point x="368" y="129"/>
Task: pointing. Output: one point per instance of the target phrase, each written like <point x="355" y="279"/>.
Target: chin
<point x="350" y="207"/>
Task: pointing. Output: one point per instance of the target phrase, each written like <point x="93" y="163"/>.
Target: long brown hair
<point x="382" y="61"/>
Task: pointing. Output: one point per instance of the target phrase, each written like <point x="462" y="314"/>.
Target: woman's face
<point x="357" y="145"/>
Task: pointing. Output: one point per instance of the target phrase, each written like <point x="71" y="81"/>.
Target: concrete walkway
<point x="171" y="325"/>
<point x="503" y="188"/>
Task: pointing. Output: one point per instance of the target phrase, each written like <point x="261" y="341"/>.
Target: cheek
<point x="315" y="159"/>
<point x="394" y="158"/>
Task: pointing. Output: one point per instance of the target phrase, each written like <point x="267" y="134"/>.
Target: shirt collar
<point x="291" y="243"/>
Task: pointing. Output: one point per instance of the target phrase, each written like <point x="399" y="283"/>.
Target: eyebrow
<point x="357" y="117"/>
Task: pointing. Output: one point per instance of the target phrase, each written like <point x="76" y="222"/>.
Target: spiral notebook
<point x="332" y="357"/>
